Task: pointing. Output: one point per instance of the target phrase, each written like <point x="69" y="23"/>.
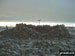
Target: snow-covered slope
<point x="34" y="43"/>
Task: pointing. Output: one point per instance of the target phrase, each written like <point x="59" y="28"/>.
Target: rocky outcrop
<point x="38" y="32"/>
<point x="35" y="40"/>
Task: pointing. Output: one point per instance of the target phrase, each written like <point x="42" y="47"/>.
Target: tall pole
<point x="39" y="21"/>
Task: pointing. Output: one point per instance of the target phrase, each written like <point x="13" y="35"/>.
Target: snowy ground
<point x="20" y="47"/>
<point x="11" y="47"/>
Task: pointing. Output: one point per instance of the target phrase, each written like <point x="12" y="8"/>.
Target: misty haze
<point x="37" y="27"/>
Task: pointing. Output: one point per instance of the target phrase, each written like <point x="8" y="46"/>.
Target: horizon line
<point x="37" y="23"/>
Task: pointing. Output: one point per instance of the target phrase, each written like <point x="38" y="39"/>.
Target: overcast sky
<point x="32" y="10"/>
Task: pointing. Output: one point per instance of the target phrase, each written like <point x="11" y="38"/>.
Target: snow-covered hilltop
<point x="38" y="32"/>
<point x="30" y="40"/>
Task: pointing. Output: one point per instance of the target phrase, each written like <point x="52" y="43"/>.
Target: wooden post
<point x="6" y="27"/>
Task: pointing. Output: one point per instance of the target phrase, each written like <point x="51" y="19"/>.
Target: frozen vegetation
<point x="29" y="40"/>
